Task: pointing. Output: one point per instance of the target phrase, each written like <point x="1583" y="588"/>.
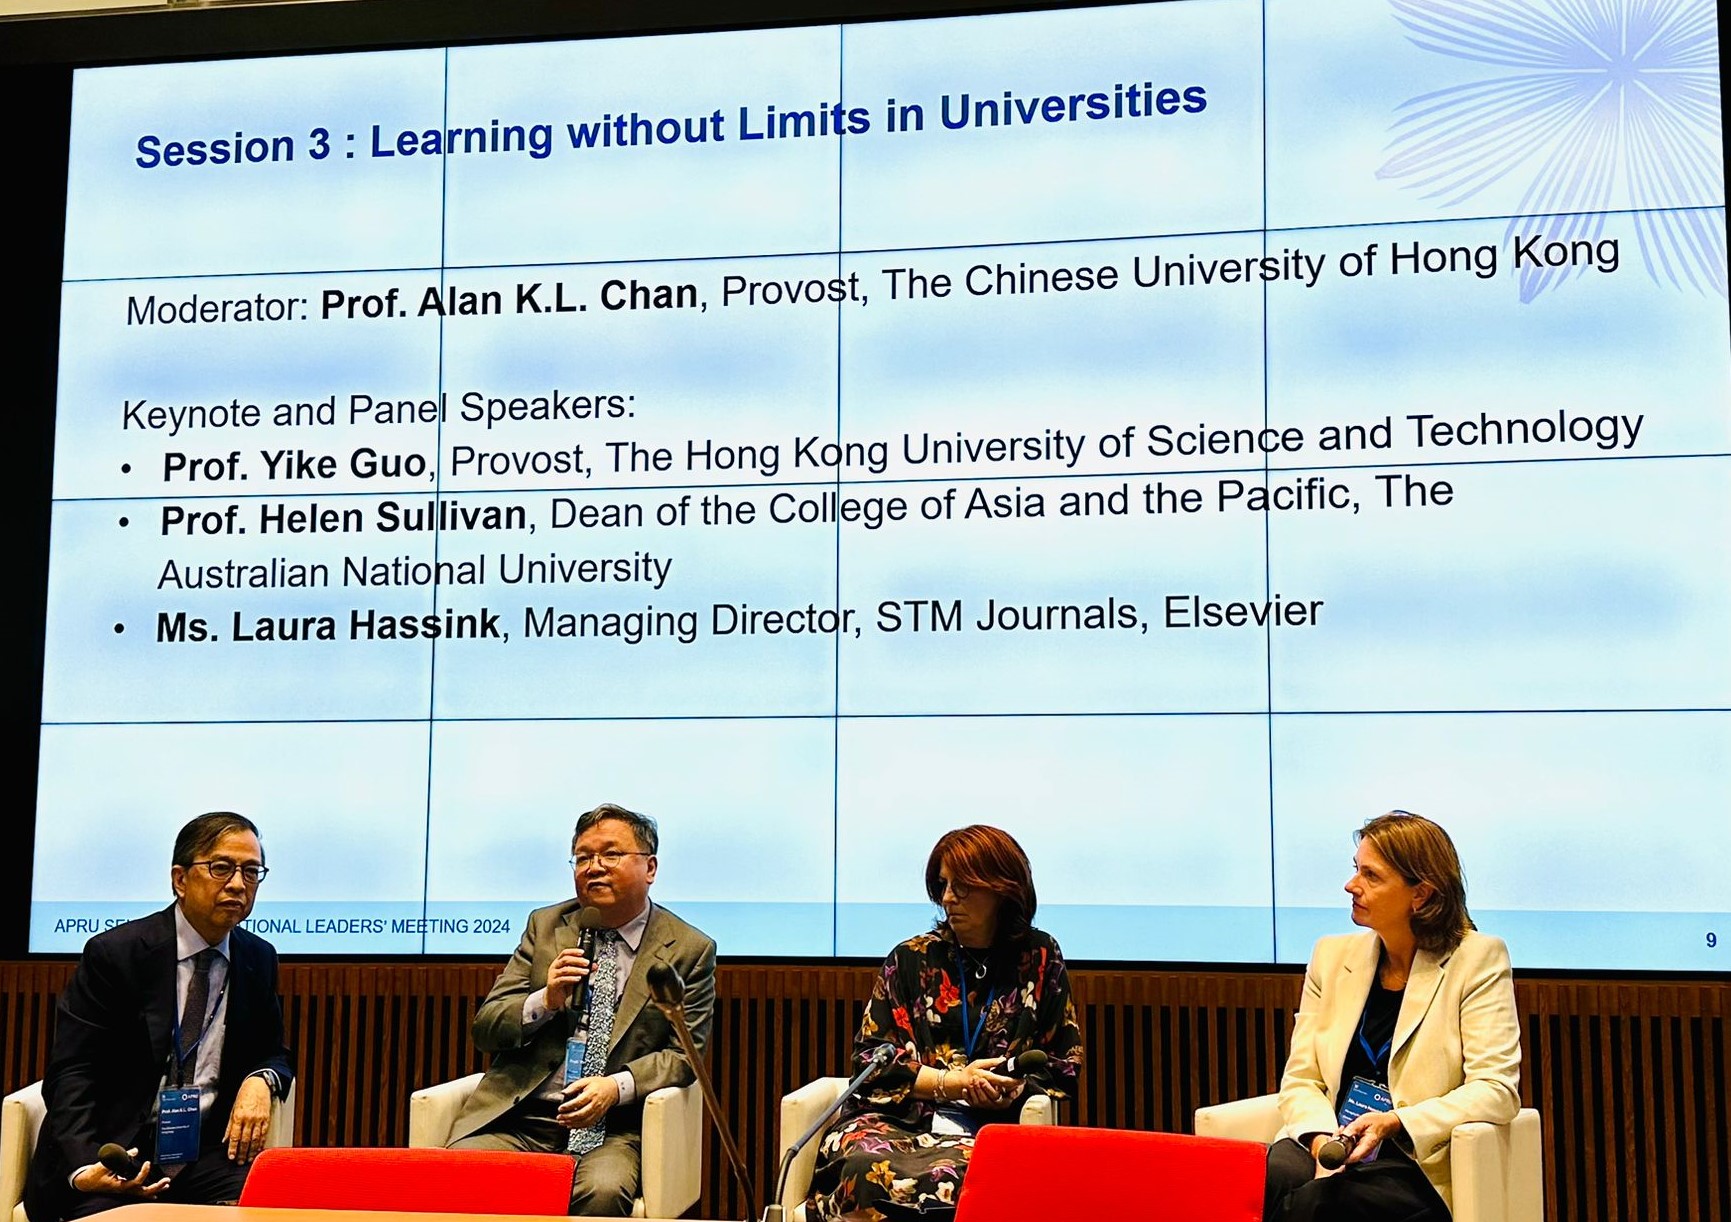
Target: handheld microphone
<point x="1024" y="1063"/>
<point x="118" y="1160"/>
<point x="588" y="921"/>
<point x="1333" y="1154"/>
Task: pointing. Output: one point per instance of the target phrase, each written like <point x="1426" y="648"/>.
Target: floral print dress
<point x="882" y="1160"/>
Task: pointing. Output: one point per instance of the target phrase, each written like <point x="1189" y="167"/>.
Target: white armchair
<point x="800" y="1110"/>
<point x="672" y="1140"/>
<point x="1497" y="1169"/>
<point x="21" y="1115"/>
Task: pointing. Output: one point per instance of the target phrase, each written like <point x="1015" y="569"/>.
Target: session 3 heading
<point x="635" y="129"/>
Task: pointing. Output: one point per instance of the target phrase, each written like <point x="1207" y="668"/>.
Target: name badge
<point x="954" y="1121"/>
<point x="177" y="1125"/>
<point x="575" y="1048"/>
<point x="1361" y="1097"/>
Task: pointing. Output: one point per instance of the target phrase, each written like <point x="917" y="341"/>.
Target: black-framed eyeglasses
<point x="222" y="871"/>
<point x="609" y="860"/>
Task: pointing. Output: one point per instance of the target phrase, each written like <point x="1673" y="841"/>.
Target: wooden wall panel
<point x="1633" y="1078"/>
<point x="1633" y="1082"/>
<point x="27" y="995"/>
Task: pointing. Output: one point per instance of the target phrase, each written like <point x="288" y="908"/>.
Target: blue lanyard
<point x="971" y="1032"/>
<point x="1377" y="1058"/>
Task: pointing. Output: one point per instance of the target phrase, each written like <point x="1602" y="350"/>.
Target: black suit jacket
<point x="113" y="1028"/>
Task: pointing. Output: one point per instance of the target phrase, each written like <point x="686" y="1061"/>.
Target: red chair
<point x="1084" y="1175"/>
<point x="410" y="1181"/>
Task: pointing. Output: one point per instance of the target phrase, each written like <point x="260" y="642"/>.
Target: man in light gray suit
<point x="554" y="1001"/>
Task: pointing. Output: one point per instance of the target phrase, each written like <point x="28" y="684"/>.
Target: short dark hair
<point x="200" y="835"/>
<point x="642" y="826"/>
<point x="988" y="858"/>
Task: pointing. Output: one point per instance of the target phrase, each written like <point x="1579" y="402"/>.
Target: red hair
<point x="990" y="859"/>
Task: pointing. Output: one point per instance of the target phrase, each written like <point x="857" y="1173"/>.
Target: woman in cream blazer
<point x="1421" y="1006"/>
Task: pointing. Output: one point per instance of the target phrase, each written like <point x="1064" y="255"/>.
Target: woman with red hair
<point x="956" y="1005"/>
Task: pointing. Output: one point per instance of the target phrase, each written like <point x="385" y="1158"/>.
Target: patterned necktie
<point x="197" y="999"/>
<point x="603" y="996"/>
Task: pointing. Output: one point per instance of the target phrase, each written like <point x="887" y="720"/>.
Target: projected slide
<point x="1174" y="433"/>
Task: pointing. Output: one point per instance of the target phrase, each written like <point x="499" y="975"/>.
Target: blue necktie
<point x="603" y="996"/>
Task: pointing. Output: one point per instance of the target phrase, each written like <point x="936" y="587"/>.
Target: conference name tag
<point x="177" y="1125"/>
<point x="1361" y="1097"/>
<point x="958" y="1121"/>
<point x="575" y="1048"/>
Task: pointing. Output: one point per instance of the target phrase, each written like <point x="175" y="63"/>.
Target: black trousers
<point x="1391" y="1189"/>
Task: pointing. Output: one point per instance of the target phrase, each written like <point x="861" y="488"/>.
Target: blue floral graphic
<point x="1605" y="106"/>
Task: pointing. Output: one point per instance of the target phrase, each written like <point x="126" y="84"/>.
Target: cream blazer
<point x="1457" y="1043"/>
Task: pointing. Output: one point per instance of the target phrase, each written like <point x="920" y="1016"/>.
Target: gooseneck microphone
<point x="588" y="921"/>
<point x="1333" y="1154"/>
<point x="667" y="990"/>
<point x="118" y="1160"/>
<point x="666" y="986"/>
<point x="881" y="1056"/>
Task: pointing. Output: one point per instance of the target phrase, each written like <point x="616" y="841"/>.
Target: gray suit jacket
<point x="643" y="1039"/>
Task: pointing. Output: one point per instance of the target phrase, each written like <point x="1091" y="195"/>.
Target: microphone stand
<point x="668" y="993"/>
<point x="772" y="1212"/>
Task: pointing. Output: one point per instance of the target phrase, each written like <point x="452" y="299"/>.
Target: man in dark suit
<point x="178" y="1007"/>
<point x="551" y="993"/>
